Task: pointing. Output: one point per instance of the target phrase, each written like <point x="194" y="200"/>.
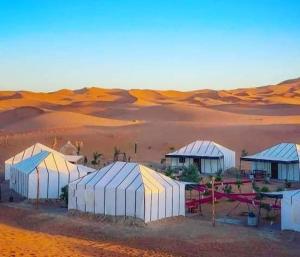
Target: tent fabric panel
<point x="113" y="187"/>
<point x="130" y="196"/>
<point x="72" y="197"/>
<point x="290" y="211"/>
<point x="139" y="202"/>
<point x="92" y="179"/>
<point x="147" y="204"/>
<point x="32" y="186"/>
<point x="134" y="180"/>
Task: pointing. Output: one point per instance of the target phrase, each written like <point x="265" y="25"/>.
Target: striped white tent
<point x="208" y="156"/>
<point x="280" y="161"/>
<point x="43" y="175"/>
<point x="29" y="152"/>
<point x="128" y="190"/>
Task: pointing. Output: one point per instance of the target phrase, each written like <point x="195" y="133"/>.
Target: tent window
<point x="181" y="159"/>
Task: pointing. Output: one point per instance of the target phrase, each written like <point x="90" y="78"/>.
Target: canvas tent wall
<point x="208" y="156"/>
<point x="129" y="190"/>
<point x="44" y="175"/>
<point x="290" y="210"/>
<point x="29" y="152"/>
<point x="280" y="161"/>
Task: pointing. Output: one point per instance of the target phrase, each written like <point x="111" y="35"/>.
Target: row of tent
<point x="119" y="189"/>
<point x="280" y="161"/>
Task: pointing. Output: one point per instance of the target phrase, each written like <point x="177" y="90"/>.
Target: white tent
<point x="44" y="175"/>
<point x="208" y="156"/>
<point x="129" y="190"/>
<point x="290" y="210"/>
<point x="30" y="151"/>
<point x="280" y="161"/>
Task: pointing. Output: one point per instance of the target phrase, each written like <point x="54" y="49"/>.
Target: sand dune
<point x="283" y="93"/>
<point x="251" y="118"/>
<point x="52" y="120"/>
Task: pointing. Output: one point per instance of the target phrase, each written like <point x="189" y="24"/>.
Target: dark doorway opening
<point x="274" y="170"/>
<point x="197" y="162"/>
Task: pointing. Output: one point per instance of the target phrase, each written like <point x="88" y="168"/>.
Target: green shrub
<point x="228" y="189"/>
<point x="265" y="189"/>
<point x="65" y="194"/>
<point x="278" y="189"/>
<point x="190" y="174"/>
<point x="288" y="184"/>
<point x="169" y="172"/>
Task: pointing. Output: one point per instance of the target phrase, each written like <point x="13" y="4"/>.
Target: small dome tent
<point x="68" y="149"/>
<point x="129" y="190"/>
<point x="44" y="175"/>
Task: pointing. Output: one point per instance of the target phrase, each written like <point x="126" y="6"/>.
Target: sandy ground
<point x="29" y="232"/>
<point x="52" y="231"/>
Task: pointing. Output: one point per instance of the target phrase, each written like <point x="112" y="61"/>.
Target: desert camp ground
<point x="159" y="123"/>
<point x="125" y="196"/>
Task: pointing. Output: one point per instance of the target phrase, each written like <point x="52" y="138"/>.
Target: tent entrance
<point x="197" y="162"/>
<point x="274" y="170"/>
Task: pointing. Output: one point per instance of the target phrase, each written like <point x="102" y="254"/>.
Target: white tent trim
<point x="129" y="190"/>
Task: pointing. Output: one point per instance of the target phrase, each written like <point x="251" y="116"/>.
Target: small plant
<point x="267" y="179"/>
<point x="288" y="184"/>
<point x="239" y="183"/>
<point x="117" y="152"/>
<point x="163" y="161"/>
<point x="279" y="189"/>
<point x="219" y="176"/>
<point x="85" y="160"/>
<point x="64" y="194"/>
<point x="190" y="174"/>
<point x="228" y="189"/>
<point x="264" y="189"/>
<point x="78" y="145"/>
<point x="255" y="187"/>
<point x="244" y="153"/>
<point x="208" y="184"/>
<point x="169" y="172"/>
<point x="96" y="158"/>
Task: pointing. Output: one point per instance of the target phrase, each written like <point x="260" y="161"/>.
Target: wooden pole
<point x="213" y="201"/>
<point x="37" y="189"/>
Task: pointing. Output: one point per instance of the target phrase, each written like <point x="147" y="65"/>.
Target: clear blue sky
<point x="166" y="44"/>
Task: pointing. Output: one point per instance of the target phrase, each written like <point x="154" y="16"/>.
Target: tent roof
<point x="31" y="163"/>
<point x="125" y="172"/>
<point x="208" y="149"/>
<point x="283" y="152"/>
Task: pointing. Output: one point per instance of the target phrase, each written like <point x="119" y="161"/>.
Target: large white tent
<point x="280" y="161"/>
<point x="129" y="190"/>
<point x="208" y="156"/>
<point x="32" y="150"/>
<point x="290" y="210"/>
<point x="43" y="175"/>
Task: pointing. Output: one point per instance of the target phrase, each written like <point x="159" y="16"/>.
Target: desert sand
<point x="251" y="119"/>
